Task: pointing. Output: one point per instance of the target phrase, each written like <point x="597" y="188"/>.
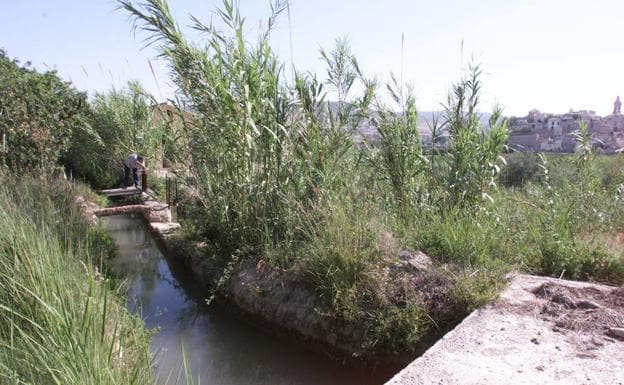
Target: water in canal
<point x="220" y="349"/>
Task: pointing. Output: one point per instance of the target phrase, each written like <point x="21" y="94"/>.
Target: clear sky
<point x="550" y="54"/>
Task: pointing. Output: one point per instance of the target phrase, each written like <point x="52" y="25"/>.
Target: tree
<point x="38" y="113"/>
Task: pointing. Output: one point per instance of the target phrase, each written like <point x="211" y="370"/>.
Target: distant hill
<point x="425" y="119"/>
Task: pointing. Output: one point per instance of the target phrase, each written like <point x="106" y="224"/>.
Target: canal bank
<point x="282" y="304"/>
<point x="220" y="349"/>
<point x="278" y="301"/>
<point x="527" y="320"/>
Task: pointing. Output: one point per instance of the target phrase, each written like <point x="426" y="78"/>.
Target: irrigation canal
<point x="220" y="349"/>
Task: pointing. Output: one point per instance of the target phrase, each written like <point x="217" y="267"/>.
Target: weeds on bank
<point x="62" y="323"/>
<point x="276" y="173"/>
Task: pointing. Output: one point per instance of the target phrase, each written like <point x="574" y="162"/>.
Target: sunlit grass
<point x="276" y="174"/>
<point x="62" y="322"/>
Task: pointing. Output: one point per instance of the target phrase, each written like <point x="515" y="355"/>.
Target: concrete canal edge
<point x="539" y="331"/>
<point x="156" y="214"/>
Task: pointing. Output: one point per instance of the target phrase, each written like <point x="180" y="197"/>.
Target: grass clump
<point x="62" y="322"/>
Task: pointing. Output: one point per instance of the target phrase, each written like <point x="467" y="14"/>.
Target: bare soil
<point x="587" y="316"/>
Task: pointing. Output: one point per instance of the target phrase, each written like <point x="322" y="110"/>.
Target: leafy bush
<point x="38" y="113"/>
<point x="611" y="171"/>
<point x="520" y="167"/>
<point x="576" y="260"/>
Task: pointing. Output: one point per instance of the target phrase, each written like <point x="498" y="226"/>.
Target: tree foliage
<point x="38" y="113"/>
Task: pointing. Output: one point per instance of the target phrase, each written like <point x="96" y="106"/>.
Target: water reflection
<point x="219" y="349"/>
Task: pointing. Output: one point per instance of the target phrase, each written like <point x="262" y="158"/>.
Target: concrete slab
<point x="120" y="192"/>
<point x="539" y="331"/>
<point x="164" y="229"/>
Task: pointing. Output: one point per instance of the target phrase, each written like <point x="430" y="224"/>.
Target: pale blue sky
<point x="552" y="54"/>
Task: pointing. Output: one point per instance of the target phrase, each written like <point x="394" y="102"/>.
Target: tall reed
<point x="398" y="157"/>
<point x="121" y="122"/>
<point x="258" y="154"/>
<point x="474" y="156"/>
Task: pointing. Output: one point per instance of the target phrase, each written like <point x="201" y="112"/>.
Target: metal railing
<point x="171" y="190"/>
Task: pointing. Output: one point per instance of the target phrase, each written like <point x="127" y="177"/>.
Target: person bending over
<point x="132" y="163"/>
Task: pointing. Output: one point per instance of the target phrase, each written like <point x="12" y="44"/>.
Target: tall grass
<point x="121" y="122"/>
<point x="474" y="155"/>
<point x="276" y="174"/>
<point x="236" y="143"/>
<point x="258" y="155"/>
<point x="399" y="158"/>
<point x="62" y="322"/>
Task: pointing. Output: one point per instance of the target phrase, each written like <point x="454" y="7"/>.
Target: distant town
<point x="540" y="131"/>
<point x="537" y="131"/>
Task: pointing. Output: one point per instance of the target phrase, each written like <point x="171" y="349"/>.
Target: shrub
<point x="520" y="167"/>
<point x="576" y="260"/>
<point x="38" y="113"/>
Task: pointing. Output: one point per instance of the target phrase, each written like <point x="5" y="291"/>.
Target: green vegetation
<point x="276" y="171"/>
<point x="62" y="322"/>
<point x="121" y="122"/>
<point x="46" y="125"/>
<point x="276" y="174"/>
<point x="38" y="113"/>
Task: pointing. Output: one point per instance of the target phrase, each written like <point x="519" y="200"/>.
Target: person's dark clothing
<point x="135" y="176"/>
